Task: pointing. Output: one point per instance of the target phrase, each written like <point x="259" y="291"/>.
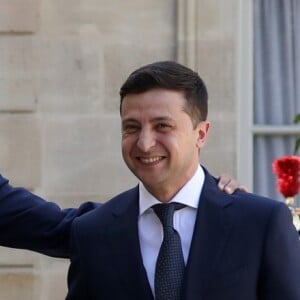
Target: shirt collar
<point x="189" y="194"/>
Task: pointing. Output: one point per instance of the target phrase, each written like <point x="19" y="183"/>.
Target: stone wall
<point x="62" y="63"/>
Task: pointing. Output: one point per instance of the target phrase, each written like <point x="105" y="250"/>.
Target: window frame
<point x="246" y="129"/>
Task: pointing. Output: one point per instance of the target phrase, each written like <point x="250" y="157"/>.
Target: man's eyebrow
<point x="162" y="118"/>
<point x="126" y="120"/>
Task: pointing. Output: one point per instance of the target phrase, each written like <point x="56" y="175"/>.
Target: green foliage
<point x="297" y="145"/>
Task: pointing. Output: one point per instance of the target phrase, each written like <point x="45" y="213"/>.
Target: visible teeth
<point x="150" y="160"/>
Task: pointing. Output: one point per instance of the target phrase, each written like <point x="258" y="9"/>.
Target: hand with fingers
<point x="230" y="185"/>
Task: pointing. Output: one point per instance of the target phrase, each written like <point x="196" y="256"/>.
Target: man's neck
<point x="166" y="192"/>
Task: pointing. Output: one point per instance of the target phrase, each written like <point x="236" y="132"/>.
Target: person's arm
<point x="29" y="222"/>
<point x="280" y="270"/>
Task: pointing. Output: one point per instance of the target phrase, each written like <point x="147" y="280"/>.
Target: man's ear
<point x="202" y="133"/>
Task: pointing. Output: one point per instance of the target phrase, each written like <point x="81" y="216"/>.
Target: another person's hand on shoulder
<point x="229" y="185"/>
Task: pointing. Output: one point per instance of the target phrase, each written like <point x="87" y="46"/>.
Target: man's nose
<point x="146" y="140"/>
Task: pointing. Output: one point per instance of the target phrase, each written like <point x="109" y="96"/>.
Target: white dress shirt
<point x="150" y="228"/>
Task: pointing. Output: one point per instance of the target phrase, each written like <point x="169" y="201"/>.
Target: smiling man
<point x="176" y="236"/>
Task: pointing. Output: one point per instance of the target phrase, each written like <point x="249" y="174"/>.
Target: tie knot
<point x="165" y="212"/>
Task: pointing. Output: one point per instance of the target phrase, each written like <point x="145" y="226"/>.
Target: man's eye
<point x="130" y="128"/>
<point x="163" y="126"/>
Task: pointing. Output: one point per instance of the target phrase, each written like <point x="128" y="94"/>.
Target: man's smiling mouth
<point x="150" y="160"/>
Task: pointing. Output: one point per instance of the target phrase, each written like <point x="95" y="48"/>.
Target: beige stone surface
<point x="16" y="284"/>
<point x="17" y="95"/>
<point x="69" y="76"/>
<point x="216" y="48"/>
<point x="17" y="82"/>
<point x="219" y="153"/>
<point x="15" y="257"/>
<point x="20" y="155"/>
<point x="18" y="16"/>
<point x="52" y="275"/>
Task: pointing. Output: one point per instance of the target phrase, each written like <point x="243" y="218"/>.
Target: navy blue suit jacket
<point x="29" y="222"/>
<point x="244" y="247"/>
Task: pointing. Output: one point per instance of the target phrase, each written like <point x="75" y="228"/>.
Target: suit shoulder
<point x="104" y="212"/>
<point x="255" y="201"/>
<point x="257" y="210"/>
<point x="240" y="200"/>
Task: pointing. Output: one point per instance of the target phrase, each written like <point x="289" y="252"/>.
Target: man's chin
<point x="152" y="181"/>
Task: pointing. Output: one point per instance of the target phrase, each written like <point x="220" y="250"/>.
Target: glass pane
<point x="276" y="61"/>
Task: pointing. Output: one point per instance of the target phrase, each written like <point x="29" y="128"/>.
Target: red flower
<point x="287" y="169"/>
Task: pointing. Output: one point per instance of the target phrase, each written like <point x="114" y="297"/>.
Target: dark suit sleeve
<point x="29" y="222"/>
<point x="280" y="276"/>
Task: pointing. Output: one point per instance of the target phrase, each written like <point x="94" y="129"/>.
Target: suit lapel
<point x="210" y="235"/>
<point x="124" y="240"/>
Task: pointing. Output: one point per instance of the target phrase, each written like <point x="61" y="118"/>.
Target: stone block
<point x="15" y="257"/>
<point x="57" y="17"/>
<point x="83" y="156"/>
<point x="216" y="19"/>
<point x="20" y="149"/>
<point x="69" y="74"/>
<point x="18" y="16"/>
<point x="16" y="284"/>
<point x="130" y="39"/>
<point x="118" y="65"/>
<point x="17" y="95"/>
<point x="53" y="279"/>
<point x="219" y="154"/>
<point x="17" y="83"/>
<point x="144" y="22"/>
<point x="217" y="68"/>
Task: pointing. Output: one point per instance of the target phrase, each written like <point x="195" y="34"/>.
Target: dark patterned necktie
<point x="170" y="265"/>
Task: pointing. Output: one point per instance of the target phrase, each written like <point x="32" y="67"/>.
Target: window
<point x="269" y="93"/>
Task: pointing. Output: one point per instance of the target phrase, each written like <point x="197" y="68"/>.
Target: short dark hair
<point x="172" y="76"/>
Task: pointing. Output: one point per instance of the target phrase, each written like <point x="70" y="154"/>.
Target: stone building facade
<point x="61" y="66"/>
